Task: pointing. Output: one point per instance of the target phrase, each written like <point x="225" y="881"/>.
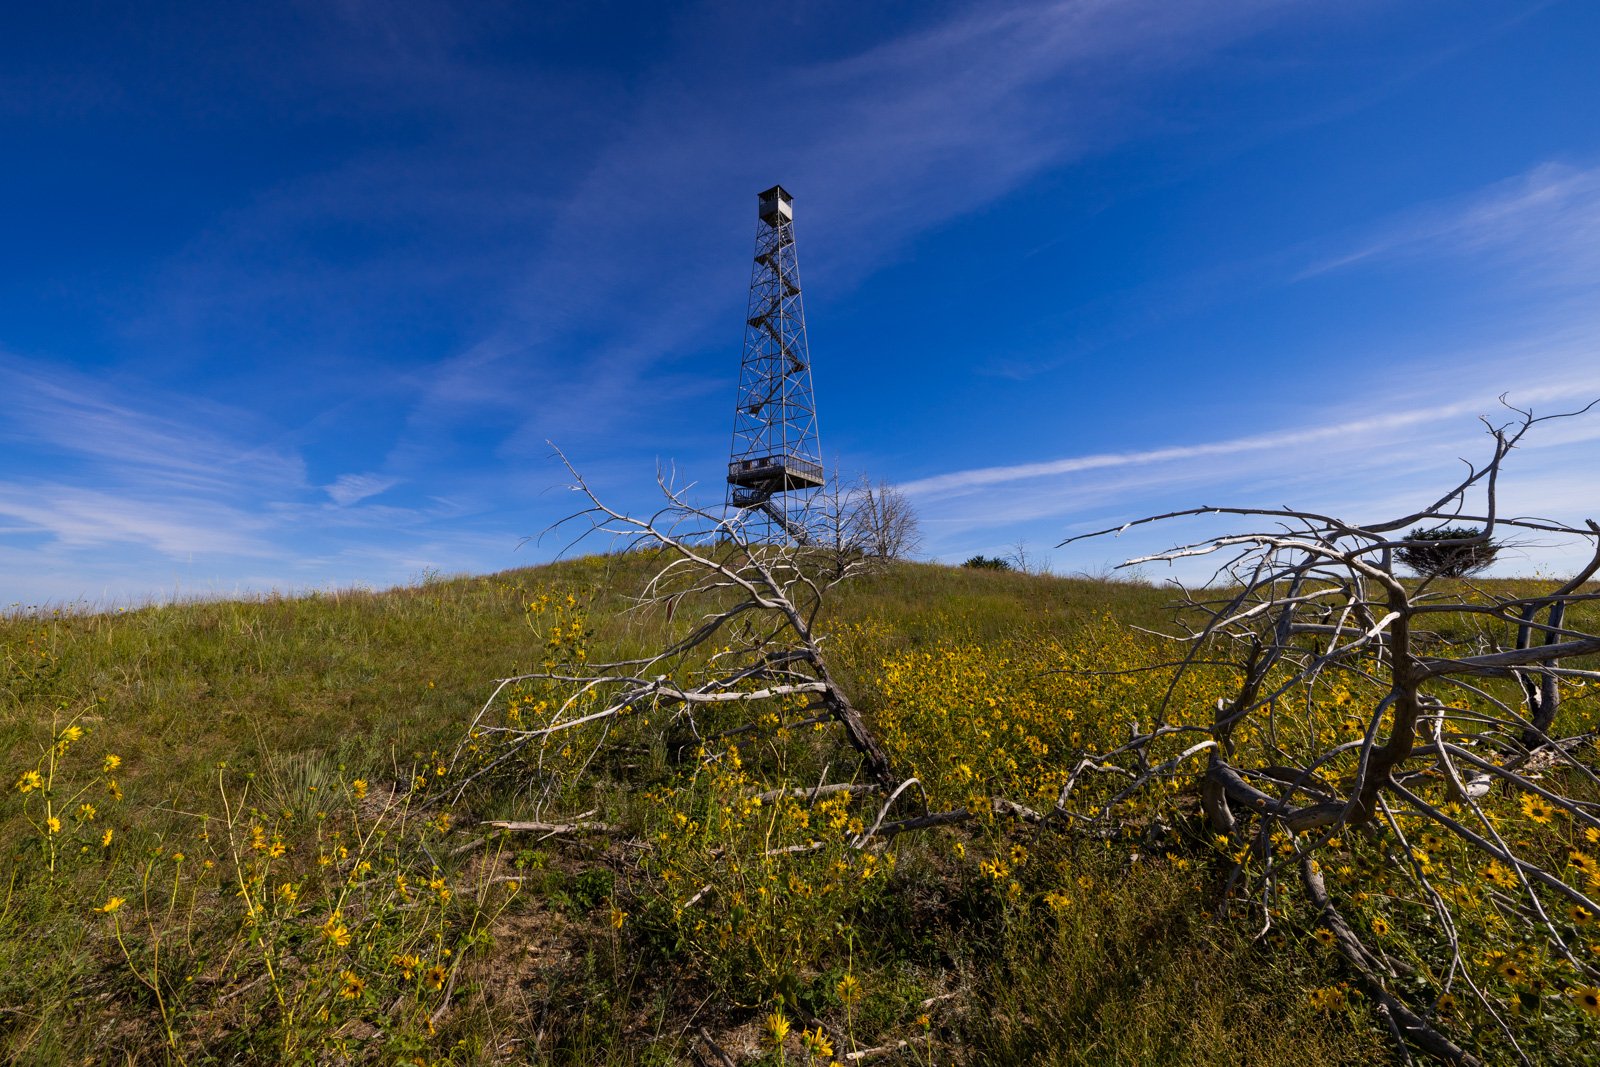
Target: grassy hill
<point x="234" y="835"/>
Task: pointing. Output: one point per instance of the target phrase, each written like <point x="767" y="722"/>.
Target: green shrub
<point x="1447" y="551"/>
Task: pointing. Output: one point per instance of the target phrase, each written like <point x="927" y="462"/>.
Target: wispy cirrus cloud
<point x="1383" y="437"/>
<point x="632" y="250"/>
<point x="1362" y="467"/>
<point x="80" y="518"/>
<point x="85" y="519"/>
<point x="135" y="436"/>
<point x="1543" y="224"/>
<point x="957" y="482"/>
<point x="115" y="491"/>
<point x="642" y="257"/>
<point x="350" y="489"/>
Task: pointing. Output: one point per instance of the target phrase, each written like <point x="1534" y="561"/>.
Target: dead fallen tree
<point x="746" y="660"/>
<point x="746" y="644"/>
<point x="1419" y="719"/>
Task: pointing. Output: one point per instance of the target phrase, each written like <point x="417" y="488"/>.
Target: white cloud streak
<point x="957" y="482"/>
<point x="82" y="518"/>
<point x="1544" y="224"/>
<point x="350" y="489"/>
<point x="643" y="256"/>
<point x="118" y="499"/>
<point x="71" y="414"/>
<point x="1366" y="468"/>
<point x="1541" y="228"/>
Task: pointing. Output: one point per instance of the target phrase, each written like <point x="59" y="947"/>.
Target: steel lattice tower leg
<point x="775" y="464"/>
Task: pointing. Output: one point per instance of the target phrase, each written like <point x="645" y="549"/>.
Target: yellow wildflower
<point x="1499" y="874"/>
<point x="335" y="931"/>
<point x="67" y="737"/>
<point x="1537" y="808"/>
<point x="351" y="985"/>
<point x="777" y="1028"/>
<point x="30" y="781"/>
<point x="110" y="763"/>
<point x="112" y="905"/>
<point x="816" y="1043"/>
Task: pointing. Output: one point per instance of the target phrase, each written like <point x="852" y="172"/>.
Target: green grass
<point x="285" y="701"/>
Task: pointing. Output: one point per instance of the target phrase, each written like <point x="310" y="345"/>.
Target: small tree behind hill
<point x="863" y="520"/>
<point x="1447" y="551"/>
<point x="882" y="522"/>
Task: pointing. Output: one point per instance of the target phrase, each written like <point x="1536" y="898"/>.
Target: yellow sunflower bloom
<point x="1537" y="808"/>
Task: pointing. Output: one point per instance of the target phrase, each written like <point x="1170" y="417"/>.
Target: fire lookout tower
<point x="775" y="464"/>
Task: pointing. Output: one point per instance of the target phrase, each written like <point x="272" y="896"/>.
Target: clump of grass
<point x="1114" y="963"/>
<point x="317" y="922"/>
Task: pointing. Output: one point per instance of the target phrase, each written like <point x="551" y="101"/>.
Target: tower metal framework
<point x="775" y="464"/>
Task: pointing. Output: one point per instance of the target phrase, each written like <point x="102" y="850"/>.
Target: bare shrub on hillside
<point x="1448" y="551"/>
<point x="864" y="519"/>
<point x="1027" y="561"/>
<point x="745" y="661"/>
<point x="882" y="521"/>
<point x="745" y="616"/>
<point x="1394" y="755"/>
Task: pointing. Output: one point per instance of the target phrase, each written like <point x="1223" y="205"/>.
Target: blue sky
<point x="300" y="295"/>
